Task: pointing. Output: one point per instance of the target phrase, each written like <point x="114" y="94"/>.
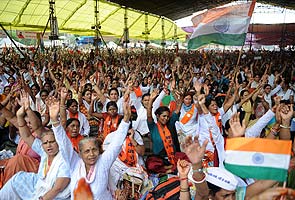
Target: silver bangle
<point x="287" y="127"/>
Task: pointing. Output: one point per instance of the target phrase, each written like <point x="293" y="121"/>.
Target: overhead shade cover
<point x="77" y="16"/>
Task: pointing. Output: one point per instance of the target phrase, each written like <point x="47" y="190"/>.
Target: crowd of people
<point x="113" y="125"/>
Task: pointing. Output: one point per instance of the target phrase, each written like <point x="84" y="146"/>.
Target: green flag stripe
<point x="217" y="38"/>
<point x="261" y="173"/>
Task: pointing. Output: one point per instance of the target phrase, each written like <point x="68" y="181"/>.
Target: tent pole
<point x="13" y="41"/>
<point x="97" y="27"/>
<point x="42" y="37"/>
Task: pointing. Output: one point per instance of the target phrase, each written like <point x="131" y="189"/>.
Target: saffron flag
<point x="258" y="158"/>
<point x="224" y="25"/>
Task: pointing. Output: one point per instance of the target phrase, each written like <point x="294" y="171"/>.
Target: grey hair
<point x="97" y="142"/>
<point x="47" y="132"/>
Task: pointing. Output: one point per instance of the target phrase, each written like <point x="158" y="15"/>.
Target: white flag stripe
<point x="230" y="26"/>
<point x="247" y="158"/>
<point x="238" y="10"/>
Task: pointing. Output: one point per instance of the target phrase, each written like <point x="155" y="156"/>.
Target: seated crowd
<point x="114" y="125"/>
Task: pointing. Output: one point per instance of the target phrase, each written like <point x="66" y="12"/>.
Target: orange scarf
<point x="128" y="155"/>
<point x="218" y="121"/>
<point x="208" y="160"/>
<point x="75" y="141"/>
<point x="168" y="143"/>
<point x="215" y="155"/>
<point x="109" y="126"/>
<point x="75" y="116"/>
<point x="137" y="91"/>
<point x="188" y="115"/>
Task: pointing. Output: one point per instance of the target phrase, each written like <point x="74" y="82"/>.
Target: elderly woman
<point x="53" y="175"/>
<point x="90" y="163"/>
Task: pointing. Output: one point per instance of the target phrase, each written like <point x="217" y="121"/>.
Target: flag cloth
<point x="223" y="25"/>
<point x="258" y="158"/>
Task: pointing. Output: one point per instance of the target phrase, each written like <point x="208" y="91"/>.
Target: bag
<point x="132" y="182"/>
<point x="157" y="164"/>
<point x="168" y="190"/>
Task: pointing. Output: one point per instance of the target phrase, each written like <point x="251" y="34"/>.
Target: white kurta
<point x="99" y="180"/>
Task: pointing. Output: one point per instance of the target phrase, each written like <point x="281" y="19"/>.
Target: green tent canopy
<point x="77" y="17"/>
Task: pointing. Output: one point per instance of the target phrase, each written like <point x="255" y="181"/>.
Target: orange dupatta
<point x="75" y="116"/>
<point x="137" y="91"/>
<point x="168" y="143"/>
<point x="188" y="115"/>
<point x="75" y="141"/>
<point x="218" y="121"/>
<point x="215" y="156"/>
<point x="108" y="126"/>
<point x="128" y="155"/>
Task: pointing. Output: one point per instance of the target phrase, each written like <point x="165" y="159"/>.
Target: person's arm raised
<point x="24" y="130"/>
<point x="195" y="152"/>
<point x="62" y="106"/>
<point x="36" y="123"/>
<point x="112" y="152"/>
<point x="237" y="129"/>
<point x="98" y="91"/>
<point x="64" y="143"/>
<point x="286" y="113"/>
<point x="183" y="168"/>
<point x="153" y="96"/>
<point x="91" y="112"/>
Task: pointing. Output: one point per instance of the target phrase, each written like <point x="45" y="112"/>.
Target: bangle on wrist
<point x="198" y="181"/>
<point x="190" y="176"/>
<point x="62" y="106"/>
<point x="184" y="189"/>
<point x="20" y="126"/>
<point x="283" y="126"/>
<point x="200" y="170"/>
<point x="183" y="179"/>
<point x="54" y="122"/>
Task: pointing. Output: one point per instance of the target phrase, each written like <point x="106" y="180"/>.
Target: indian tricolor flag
<point x="223" y="25"/>
<point x="258" y="158"/>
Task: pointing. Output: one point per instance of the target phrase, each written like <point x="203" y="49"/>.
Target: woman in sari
<point x="53" y="175"/>
<point x="25" y="159"/>
<point x="90" y="163"/>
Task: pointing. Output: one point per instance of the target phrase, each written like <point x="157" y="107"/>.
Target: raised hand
<point x="238" y="130"/>
<point x="201" y="99"/>
<point x="63" y="93"/>
<point x="178" y="97"/>
<point x="93" y="96"/>
<point x="194" y="151"/>
<point x="126" y="109"/>
<point x="198" y="87"/>
<point x="24" y="100"/>
<point x="286" y="112"/>
<point x="53" y="106"/>
<point x="183" y="168"/>
<point x="154" y="94"/>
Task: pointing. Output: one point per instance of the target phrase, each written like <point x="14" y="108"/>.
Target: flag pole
<point x="239" y="58"/>
<point x="283" y="197"/>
